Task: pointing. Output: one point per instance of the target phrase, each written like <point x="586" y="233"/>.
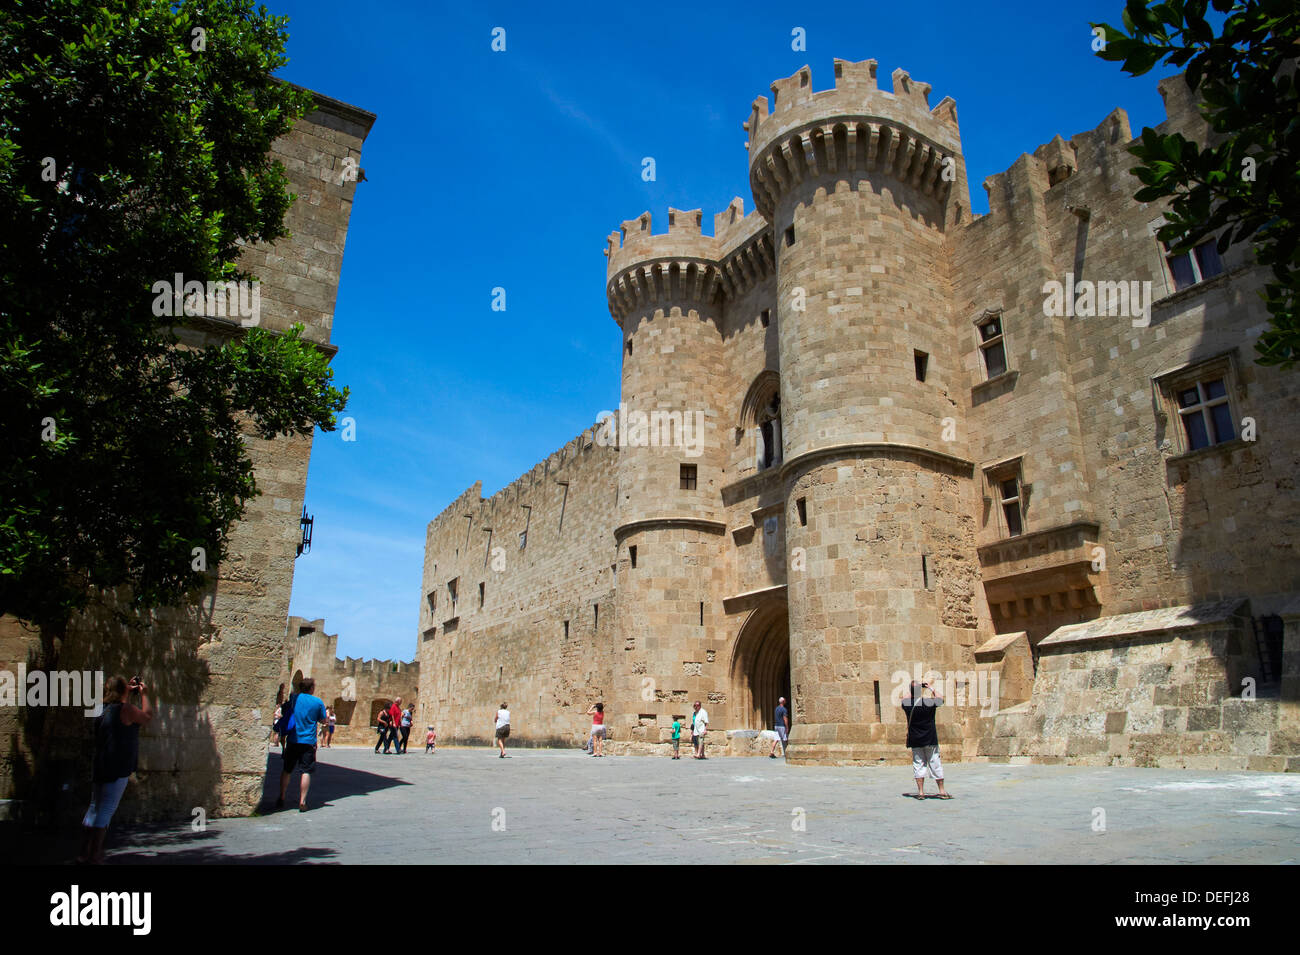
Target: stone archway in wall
<point x="760" y="666"/>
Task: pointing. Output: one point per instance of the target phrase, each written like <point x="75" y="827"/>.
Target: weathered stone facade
<point x="911" y="462"/>
<point x="540" y="637"/>
<point x="214" y="666"/>
<point x="357" y="689"/>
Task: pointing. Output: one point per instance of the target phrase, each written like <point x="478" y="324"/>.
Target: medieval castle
<point x="866" y="435"/>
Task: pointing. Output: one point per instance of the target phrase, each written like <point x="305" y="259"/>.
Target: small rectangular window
<point x="789" y="235"/>
<point x="802" y="506"/>
<point x="992" y="347"/>
<point x="766" y="317"/>
<point x="701" y="613"/>
<point x="631" y="553"/>
<point x="1009" y="492"/>
<point x="629" y="346"/>
<point x="925" y="571"/>
<point x="452" y="587"/>
<point x="481" y="593"/>
<point x="595" y="616"/>
<point x="1190" y="268"/>
<point x="566" y="630"/>
<point x="688" y="474"/>
<point x="922" y="362"/>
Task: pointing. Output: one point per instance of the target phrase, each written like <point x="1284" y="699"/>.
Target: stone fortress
<point x="1080" y="516"/>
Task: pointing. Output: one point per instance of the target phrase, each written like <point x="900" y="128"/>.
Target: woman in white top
<point x="503" y="728"/>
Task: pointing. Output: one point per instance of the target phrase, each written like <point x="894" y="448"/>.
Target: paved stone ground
<point x="553" y="806"/>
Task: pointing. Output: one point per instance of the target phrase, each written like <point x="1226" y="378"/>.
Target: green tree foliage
<point x="1246" y="185"/>
<point x="134" y="146"/>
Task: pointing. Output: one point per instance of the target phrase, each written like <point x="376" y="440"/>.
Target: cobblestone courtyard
<point x="550" y="806"/>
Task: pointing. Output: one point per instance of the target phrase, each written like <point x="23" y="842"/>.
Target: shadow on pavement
<point x="202" y="855"/>
<point x="181" y="845"/>
<point x="329" y="783"/>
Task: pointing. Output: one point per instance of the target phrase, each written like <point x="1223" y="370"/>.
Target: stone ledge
<point x="1165" y="620"/>
<point x="752" y="598"/>
<point x="1001" y="384"/>
<point x="991" y="650"/>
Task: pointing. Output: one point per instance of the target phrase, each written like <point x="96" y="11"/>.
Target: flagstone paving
<point x="554" y="806"/>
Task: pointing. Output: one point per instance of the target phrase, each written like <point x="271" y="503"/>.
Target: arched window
<point x="760" y="415"/>
<point x="769" y="434"/>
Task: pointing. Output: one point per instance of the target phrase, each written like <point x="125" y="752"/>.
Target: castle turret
<point x="859" y="186"/>
<point x="666" y="293"/>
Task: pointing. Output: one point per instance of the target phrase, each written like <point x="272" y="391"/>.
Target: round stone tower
<point x="665" y="292"/>
<point x="859" y="186"/>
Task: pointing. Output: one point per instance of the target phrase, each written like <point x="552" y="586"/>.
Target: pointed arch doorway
<point x="760" y="666"/>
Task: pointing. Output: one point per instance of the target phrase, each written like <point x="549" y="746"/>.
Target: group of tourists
<point x="394" y="727"/>
<point x="699" y="729"/>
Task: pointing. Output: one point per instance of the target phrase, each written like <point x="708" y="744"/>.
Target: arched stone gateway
<point x="760" y="666"/>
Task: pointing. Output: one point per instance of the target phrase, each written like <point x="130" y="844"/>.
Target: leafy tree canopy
<point x="1246" y="185"/>
<point x="134" y="146"/>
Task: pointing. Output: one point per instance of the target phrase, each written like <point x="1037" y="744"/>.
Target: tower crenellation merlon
<point x="635" y="242"/>
<point x="855" y="93"/>
<point x="855" y="128"/>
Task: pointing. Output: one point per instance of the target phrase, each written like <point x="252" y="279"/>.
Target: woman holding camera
<point x="117" y="746"/>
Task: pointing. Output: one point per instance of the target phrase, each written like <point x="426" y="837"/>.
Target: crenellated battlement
<point x="555" y="466"/>
<point x="356" y="666"/>
<point x="635" y="243"/>
<point x="855" y="127"/>
<point x="1055" y="163"/>
<point x="315" y="653"/>
<point x="684" y="263"/>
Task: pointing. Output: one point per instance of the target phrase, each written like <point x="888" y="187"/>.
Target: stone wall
<point x="541" y="638"/>
<point x="213" y="666"/>
<point x="1174" y="688"/>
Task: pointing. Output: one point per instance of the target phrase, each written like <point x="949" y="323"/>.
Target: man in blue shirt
<point x="780" y="723"/>
<point x="300" y="748"/>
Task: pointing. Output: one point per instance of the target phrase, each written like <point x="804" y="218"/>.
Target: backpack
<point x="284" y="725"/>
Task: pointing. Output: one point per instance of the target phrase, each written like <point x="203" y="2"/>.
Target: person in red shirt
<point x="394" y="731"/>
<point x="597" y="742"/>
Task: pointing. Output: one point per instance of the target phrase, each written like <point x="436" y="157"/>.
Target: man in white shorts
<point x="699" y="727"/>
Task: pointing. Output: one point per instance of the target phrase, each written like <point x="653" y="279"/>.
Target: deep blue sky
<point x="509" y="169"/>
